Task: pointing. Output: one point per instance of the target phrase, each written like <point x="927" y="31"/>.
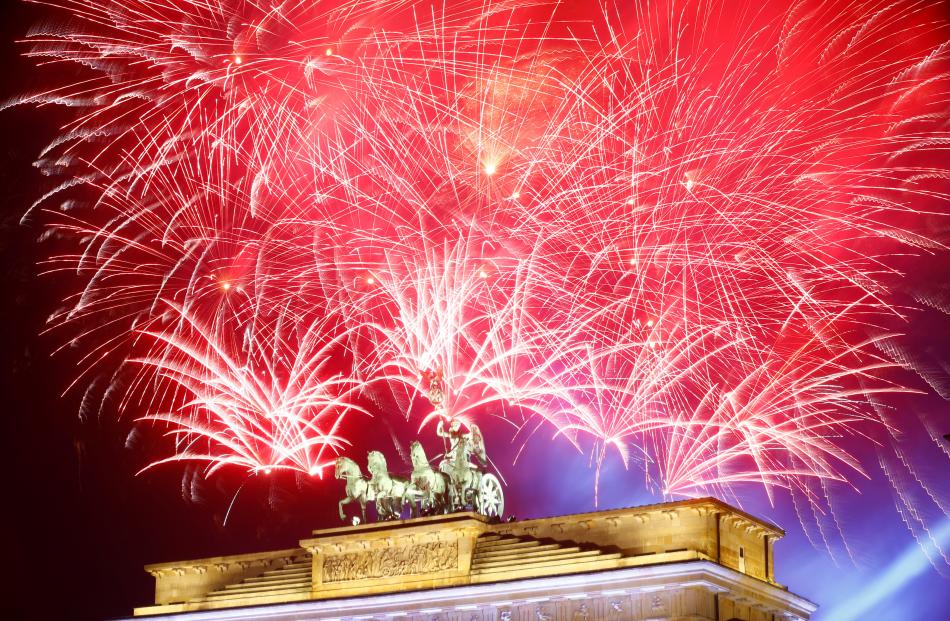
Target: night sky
<point x="83" y="524"/>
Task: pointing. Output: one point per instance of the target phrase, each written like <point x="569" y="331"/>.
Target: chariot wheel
<point x="491" y="498"/>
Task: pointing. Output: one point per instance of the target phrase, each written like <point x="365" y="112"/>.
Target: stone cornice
<point x="705" y="575"/>
<point x="702" y="506"/>
<point x="461" y="519"/>
<point x="457" y="550"/>
<point x="217" y="562"/>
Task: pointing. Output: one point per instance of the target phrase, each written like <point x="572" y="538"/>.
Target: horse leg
<point x="340" y="508"/>
<point x="453" y="499"/>
<point x="409" y="497"/>
<point x="395" y="508"/>
<point x="418" y="500"/>
<point x="413" y="506"/>
<point x="440" y="493"/>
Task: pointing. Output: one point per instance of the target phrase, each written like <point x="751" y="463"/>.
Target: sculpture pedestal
<point x="421" y="553"/>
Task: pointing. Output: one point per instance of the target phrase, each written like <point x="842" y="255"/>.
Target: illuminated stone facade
<point x="692" y="560"/>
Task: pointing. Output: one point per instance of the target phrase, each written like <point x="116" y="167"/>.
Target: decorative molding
<point x="439" y="553"/>
<point x="500" y="600"/>
<point x="582" y="613"/>
<point x="425" y="558"/>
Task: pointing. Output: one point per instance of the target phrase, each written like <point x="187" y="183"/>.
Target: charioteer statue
<point x="456" y="485"/>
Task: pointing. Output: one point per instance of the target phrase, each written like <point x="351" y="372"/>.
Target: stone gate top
<point x="718" y="549"/>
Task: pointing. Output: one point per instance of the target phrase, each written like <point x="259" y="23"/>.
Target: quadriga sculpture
<point x="455" y="485"/>
<point x="391" y="493"/>
<point x="357" y="488"/>
<point x="431" y="485"/>
<point x="469" y="484"/>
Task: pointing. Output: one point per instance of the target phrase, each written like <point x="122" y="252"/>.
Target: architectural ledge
<point x="699" y="544"/>
<point x="537" y="592"/>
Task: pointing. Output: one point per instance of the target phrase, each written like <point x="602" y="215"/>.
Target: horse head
<point x="346" y="468"/>
<point x="376" y="463"/>
<point x="418" y="455"/>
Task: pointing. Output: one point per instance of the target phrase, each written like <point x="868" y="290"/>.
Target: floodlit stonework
<point x="691" y="560"/>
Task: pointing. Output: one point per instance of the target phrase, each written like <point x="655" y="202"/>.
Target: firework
<point x="268" y="401"/>
<point x="669" y="231"/>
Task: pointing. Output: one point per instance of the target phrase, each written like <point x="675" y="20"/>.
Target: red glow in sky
<point x="667" y="234"/>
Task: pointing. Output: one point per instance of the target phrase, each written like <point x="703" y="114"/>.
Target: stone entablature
<point x="706" y="526"/>
<point x="186" y="580"/>
<point x="420" y="559"/>
<point x="689" y="591"/>
<point x="393" y="556"/>
<point x="465" y="550"/>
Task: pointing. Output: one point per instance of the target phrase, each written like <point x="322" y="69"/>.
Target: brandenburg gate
<point x="694" y="560"/>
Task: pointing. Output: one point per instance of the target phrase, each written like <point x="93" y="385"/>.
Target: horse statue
<point x="431" y="486"/>
<point x="391" y="493"/>
<point x="357" y="488"/>
<point x="456" y="464"/>
<point x="457" y="484"/>
<point x="469" y="484"/>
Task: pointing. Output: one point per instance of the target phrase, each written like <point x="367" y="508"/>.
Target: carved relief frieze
<point x="542" y="614"/>
<point x="582" y="613"/>
<point x="387" y="562"/>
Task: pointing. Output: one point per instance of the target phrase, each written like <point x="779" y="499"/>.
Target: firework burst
<point x="669" y="231"/>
